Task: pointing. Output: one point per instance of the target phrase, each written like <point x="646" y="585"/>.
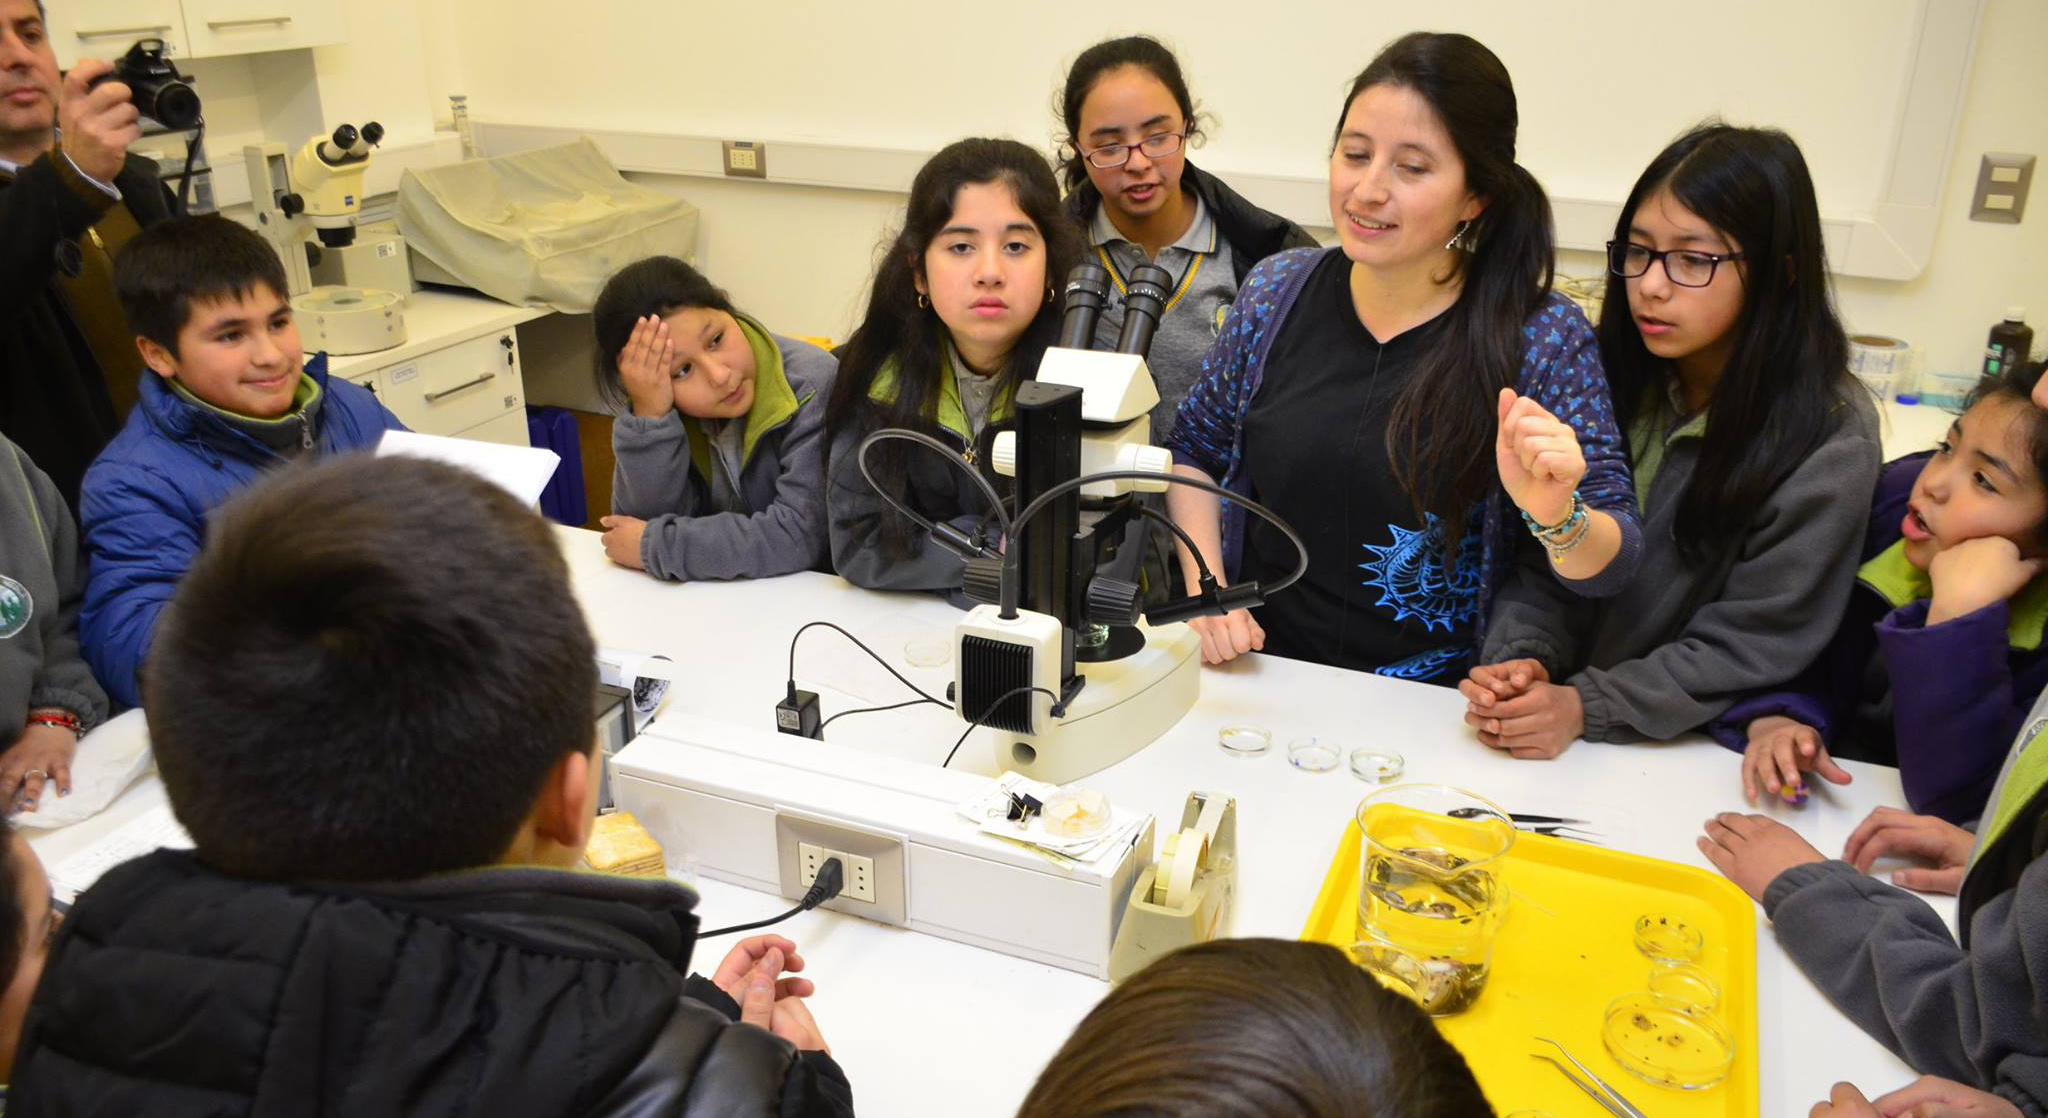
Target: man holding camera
<point x="70" y="196"/>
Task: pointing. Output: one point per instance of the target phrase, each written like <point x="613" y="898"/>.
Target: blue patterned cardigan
<point x="1560" y="370"/>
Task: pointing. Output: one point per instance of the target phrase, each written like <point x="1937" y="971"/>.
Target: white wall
<point x="1601" y="89"/>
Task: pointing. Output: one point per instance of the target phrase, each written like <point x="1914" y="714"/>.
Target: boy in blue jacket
<point x="231" y="398"/>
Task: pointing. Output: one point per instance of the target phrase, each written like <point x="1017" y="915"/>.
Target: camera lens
<point x="175" y="106"/>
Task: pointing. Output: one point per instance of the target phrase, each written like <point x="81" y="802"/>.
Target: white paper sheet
<point x="522" y="471"/>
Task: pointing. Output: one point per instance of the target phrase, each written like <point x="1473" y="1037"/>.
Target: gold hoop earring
<point x="1050" y="294"/>
<point x="923" y="301"/>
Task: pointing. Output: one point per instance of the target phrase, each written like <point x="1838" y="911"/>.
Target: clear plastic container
<point x="1244" y="741"/>
<point x="1667" y="1044"/>
<point x="1313" y="755"/>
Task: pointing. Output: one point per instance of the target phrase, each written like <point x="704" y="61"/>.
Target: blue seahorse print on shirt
<point x="1412" y="580"/>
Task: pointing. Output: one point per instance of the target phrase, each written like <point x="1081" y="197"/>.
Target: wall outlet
<point x="2002" y="182"/>
<point x="874" y="863"/>
<point x="858" y="872"/>
<point x="745" y="159"/>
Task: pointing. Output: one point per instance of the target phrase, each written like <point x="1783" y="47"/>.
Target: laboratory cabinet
<point x="191" y="28"/>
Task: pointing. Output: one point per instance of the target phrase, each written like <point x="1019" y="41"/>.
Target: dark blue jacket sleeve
<point x="1955" y="709"/>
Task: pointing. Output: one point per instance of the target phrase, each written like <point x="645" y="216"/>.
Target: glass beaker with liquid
<point x="1430" y="900"/>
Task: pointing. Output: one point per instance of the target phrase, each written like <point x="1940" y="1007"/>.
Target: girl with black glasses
<point x="1752" y="446"/>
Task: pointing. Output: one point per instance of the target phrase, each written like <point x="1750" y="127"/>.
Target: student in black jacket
<point x="370" y="702"/>
<point x="68" y="366"/>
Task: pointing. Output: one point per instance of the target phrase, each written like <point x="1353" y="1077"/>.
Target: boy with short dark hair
<point x="230" y="399"/>
<point x="371" y="704"/>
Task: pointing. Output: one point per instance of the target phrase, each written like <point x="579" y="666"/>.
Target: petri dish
<point x="1377" y="766"/>
<point x="934" y="650"/>
<point x="1685" y="985"/>
<point x="1076" y="813"/>
<point x="1667" y="939"/>
<point x="1313" y="754"/>
<point x="1244" y="741"/>
<point x="1669" y="1045"/>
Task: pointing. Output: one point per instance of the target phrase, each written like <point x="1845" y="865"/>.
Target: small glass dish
<point x="1667" y="939"/>
<point x="1076" y="813"/>
<point x="931" y="651"/>
<point x="1685" y="985"/>
<point x="1313" y="755"/>
<point x="1376" y="766"/>
<point x="1665" y="1044"/>
<point x="1244" y="741"/>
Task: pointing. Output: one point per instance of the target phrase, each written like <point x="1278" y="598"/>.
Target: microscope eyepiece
<point x="1087" y="291"/>
<point x="1144" y="302"/>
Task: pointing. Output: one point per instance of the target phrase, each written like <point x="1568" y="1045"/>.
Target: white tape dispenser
<point x="1185" y="896"/>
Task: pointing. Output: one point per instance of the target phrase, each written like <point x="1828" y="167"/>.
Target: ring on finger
<point x="35" y="772"/>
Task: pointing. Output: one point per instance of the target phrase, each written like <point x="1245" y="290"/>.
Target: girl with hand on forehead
<point x="720" y="432"/>
<point x="962" y="308"/>
<point x="1416" y="402"/>
<point x="1129" y="121"/>
<point x="1730" y="372"/>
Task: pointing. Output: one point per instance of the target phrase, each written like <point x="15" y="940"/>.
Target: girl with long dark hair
<point x="963" y="307"/>
<point x="1417" y="402"/>
<point x="1731" y="374"/>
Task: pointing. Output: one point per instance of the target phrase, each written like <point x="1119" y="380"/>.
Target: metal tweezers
<point x="1604" y="1093"/>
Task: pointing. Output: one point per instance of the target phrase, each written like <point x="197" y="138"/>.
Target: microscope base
<point x="1126" y="704"/>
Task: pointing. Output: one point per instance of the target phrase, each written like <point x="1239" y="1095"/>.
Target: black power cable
<point x="890" y="668"/>
<point x="1057" y="711"/>
<point x="830" y="880"/>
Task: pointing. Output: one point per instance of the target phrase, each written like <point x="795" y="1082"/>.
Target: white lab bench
<point x="928" y="1026"/>
<point x="458" y="372"/>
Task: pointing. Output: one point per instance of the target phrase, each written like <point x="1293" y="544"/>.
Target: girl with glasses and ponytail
<point x="1129" y="121"/>
<point x="1417" y="402"/>
<point x="1752" y="445"/>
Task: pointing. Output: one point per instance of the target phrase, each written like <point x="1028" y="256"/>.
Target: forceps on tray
<point x="1602" y="1091"/>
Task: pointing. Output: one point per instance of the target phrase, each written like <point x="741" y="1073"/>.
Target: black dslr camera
<point x="159" y="91"/>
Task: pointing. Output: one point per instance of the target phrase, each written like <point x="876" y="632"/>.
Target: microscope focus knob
<point x="1002" y="454"/>
<point x="291" y="205"/>
<point x="983" y="580"/>
<point x="1113" y="601"/>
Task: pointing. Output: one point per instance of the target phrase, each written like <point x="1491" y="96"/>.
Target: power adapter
<point x="797" y="714"/>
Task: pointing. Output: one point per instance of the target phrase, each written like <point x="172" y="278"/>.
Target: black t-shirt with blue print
<point x="1378" y="595"/>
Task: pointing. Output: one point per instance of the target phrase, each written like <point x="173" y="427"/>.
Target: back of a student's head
<point x="166" y="270"/>
<point x="1255" y="1028"/>
<point x="369" y="673"/>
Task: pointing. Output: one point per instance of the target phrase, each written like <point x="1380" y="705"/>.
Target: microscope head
<point x="327" y="175"/>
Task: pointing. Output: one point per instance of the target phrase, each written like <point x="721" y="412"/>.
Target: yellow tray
<point x="1566" y="949"/>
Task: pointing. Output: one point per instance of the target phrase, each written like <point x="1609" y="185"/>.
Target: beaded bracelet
<point x="1548" y="532"/>
<point x="1557" y="550"/>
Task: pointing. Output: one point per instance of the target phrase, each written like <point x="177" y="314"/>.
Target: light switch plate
<point x="2002" y="182"/>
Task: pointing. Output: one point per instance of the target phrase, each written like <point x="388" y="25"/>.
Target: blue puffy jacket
<point x="145" y="501"/>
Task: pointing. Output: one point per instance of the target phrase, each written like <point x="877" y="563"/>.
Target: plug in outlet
<point x="859" y="872"/>
<point x="875" y="863"/>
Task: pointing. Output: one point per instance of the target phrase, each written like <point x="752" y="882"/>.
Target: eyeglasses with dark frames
<point x="1158" y="145"/>
<point x="1685" y="267"/>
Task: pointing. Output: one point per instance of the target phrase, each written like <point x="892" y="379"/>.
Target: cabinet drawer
<point x="218" y="27"/>
<point x="451" y="390"/>
<point x="107" y="28"/>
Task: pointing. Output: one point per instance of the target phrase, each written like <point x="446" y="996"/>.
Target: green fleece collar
<point x="952" y="414"/>
<point x="307" y="391"/>
<point x="775" y="402"/>
<point x="1899" y="582"/>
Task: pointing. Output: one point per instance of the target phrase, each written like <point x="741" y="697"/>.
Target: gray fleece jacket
<point x="1681" y="643"/>
<point x="42" y="582"/>
<point x="1970" y="1011"/>
<point x="702" y="523"/>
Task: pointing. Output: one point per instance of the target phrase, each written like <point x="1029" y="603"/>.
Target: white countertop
<point x="926" y="1026"/>
<point x="437" y="317"/>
